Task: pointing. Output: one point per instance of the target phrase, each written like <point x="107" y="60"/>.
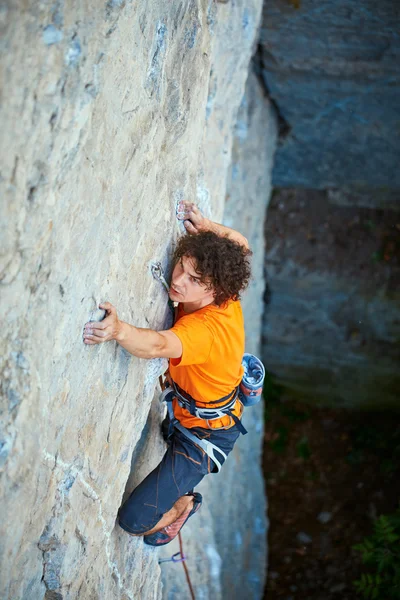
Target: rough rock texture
<point x="332" y="68"/>
<point x="231" y="528"/>
<point x="332" y="323"/>
<point x="111" y="116"/>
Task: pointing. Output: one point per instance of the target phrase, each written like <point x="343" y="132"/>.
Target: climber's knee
<point x="137" y="522"/>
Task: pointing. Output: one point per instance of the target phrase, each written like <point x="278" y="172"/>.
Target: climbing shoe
<point x="168" y="533"/>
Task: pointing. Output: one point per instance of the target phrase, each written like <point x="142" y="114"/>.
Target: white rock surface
<point x="110" y="119"/>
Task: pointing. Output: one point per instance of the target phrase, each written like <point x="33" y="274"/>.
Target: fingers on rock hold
<point x="98" y="314"/>
<point x="106" y="306"/>
<point x="189" y="226"/>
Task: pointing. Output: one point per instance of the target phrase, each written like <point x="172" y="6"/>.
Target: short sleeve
<point x="197" y="340"/>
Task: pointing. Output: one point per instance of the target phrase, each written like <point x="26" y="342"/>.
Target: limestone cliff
<point x="112" y="113"/>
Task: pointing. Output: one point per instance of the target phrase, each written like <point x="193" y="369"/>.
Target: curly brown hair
<point x="222" y="264"/>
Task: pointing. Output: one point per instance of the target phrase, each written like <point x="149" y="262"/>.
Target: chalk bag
<point x="253" y="378"/>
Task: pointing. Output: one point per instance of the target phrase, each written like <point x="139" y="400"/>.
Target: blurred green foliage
<point x="380" y="552"/>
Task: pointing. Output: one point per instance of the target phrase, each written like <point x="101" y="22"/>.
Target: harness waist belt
<point x="186" y="401"/>
<point x="209" y="448"/>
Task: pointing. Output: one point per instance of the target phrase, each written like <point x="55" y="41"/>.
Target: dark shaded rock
<point x="13" y="399"/>
<point x="303" y="538"/>
<point x="332" y="70"/>
<point x="324" y="517"/>
<point x="53" y="556"/>
<point x="332" y="326"/>
<point x="154" y="75"/>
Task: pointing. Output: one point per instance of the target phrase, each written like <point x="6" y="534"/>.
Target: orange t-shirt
<point x="211" y="363"/>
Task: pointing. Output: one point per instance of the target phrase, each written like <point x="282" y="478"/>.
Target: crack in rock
<point x="51" y="574"/>
<point x="53" y="555"/>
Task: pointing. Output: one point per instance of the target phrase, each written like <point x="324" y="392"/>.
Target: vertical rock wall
<point x="111" y="116"/>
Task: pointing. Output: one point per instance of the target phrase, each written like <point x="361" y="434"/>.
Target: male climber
<point x="205" y="348"/>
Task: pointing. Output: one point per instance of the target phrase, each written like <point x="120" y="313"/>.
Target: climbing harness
<point x="186" y="401"/>
<point x="209" y="448"/>
<point x="248" y="393"/>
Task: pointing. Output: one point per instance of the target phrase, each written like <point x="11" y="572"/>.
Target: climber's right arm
<point x="143" y="343"/>
<point x="147" y="343"/>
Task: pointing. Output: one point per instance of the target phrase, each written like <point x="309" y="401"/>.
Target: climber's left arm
<point x="195" y="222"/>
<point x="144" y="343"/>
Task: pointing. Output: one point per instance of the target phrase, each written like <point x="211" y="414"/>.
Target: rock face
<point x="113" y="114"/>
<point x="332" y="69"/>
<point x="332" y="323"/>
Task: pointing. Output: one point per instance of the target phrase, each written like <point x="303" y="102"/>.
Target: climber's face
<point x="187" y="287"/>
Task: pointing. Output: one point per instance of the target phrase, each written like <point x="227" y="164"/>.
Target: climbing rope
<point x="185" y="567"/>
<point x="180" y="557"/>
